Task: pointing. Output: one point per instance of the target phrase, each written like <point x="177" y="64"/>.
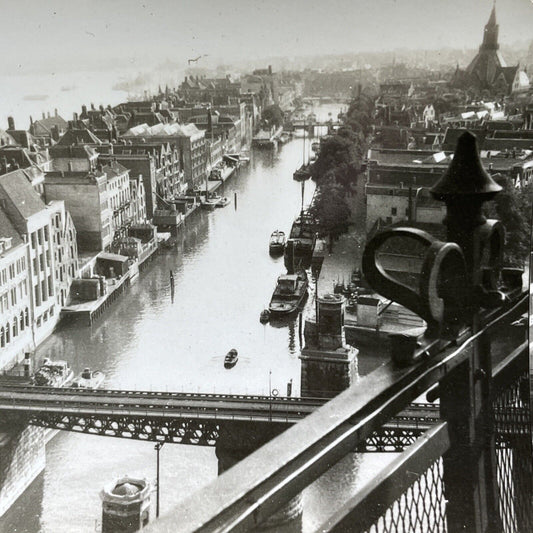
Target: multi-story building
<point x="137" y="201"/>
<point x="187" y="138"/>
<point x="48" y="130"/>
<point x="86" y="198"/>
<point x="15" y="300"/>
<point x="119" y="199"/>
<point x="31" y="217"/>
<point x="65" y="251"/>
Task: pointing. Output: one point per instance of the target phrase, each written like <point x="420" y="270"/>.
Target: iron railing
<point x="410" y="494"/>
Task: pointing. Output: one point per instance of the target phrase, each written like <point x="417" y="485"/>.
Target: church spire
<point x="490" y="36"/>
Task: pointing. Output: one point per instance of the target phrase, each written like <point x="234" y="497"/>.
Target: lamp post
<point x="157" y="448"/>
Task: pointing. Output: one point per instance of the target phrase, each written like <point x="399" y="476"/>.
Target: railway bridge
<point x="187" y="418"/>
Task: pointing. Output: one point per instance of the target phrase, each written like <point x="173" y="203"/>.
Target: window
<point x="394" y="210"/>
<point x="41" y="261"/>
<point x="2" y="337"/>
<point x="40" y="236"/>
<point x="15" y="327"/>
<point x="50" y="286"/>
<point x="21" y="321"/>
<point x="37" y="295"/>
<point x="8" y="339"/>
<point x="43" y="290"/>
<point x="46" y="236"/>
<point x="26" y="317"/>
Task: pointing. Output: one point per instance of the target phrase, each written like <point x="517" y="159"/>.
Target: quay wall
<point x="22" y="459"/>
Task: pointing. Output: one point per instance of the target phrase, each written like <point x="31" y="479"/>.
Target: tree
<point x="513" y="207"/>
<point x="273" y="115"/>
<point x="330" y="208"/>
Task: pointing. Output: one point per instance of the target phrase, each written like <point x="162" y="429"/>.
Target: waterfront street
<point x="224" y="277"/>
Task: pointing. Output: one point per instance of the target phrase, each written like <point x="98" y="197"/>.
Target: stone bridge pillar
<point x="329" y="365"/>
<point x="236" y="441"/>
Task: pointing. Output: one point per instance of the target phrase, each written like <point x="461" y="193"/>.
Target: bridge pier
<point x="238" y="440"/>
<point x="329" y="365"/>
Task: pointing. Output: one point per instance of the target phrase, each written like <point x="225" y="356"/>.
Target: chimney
<point x="10" y="123"/>
<point x="92" y="106"/>
<point x="270" y="69"/>
<point x="101" y="107"/>
<point x="44" y="116"/>
<point x="55" y="112"/>
<point x="83" y="109"/>
<point x="48" y="114"/>
<point x="75" y="117"/>
<point x="31" y="121"/>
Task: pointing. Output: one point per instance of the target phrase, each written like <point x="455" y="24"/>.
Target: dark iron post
<point x="157" y="448"/>
<point x="469" y="466"/>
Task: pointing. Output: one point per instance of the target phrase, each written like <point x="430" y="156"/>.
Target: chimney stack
<point x="10" y="123"/>
<point x="92" y="106"/>
<point x="44" y="116"/>
<point x="48" y="114"/>
<point x="55" y="112"/>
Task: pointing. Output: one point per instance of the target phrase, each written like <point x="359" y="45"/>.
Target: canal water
<point x="153" y="340"/>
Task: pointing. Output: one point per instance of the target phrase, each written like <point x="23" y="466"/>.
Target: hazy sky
<point x="35" y="31"/>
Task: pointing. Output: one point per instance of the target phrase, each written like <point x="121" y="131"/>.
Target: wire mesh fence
<point x="421" y="509"/>
<point x="514" y="456"/>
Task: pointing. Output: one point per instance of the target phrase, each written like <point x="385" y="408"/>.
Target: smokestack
<point x="270" y="69"/>
<point x="10" y="123"/>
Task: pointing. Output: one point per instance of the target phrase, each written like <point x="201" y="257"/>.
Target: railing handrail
<point x="252" y="490"/>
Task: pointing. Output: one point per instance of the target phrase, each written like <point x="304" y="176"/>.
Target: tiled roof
<point x="79" y="136"/>
<point x="16" y="185"/>
<point x="8" y="230"/>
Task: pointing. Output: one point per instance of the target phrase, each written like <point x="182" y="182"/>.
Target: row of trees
<point x="339" y="166"/>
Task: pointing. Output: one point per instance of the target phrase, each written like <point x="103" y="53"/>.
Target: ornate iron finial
<point x="465" y="176"/>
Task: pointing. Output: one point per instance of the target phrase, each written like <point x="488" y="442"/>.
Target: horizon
<point x="123" y="31"/>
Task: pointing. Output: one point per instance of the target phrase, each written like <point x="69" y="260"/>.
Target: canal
<point x="151" y="339"/>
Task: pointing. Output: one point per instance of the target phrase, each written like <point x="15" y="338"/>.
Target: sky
<point x="64" y="32"/>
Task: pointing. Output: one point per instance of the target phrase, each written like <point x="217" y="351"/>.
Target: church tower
<point x="490" y="35"/>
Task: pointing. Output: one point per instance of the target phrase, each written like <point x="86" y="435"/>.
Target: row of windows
<point x="12" y="329"/>
<point x="43" y="291"/>
<point x="39" y="236"/>
<point x="12" y="270"/>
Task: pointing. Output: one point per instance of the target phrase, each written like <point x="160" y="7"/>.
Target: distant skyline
<point x="143" y="32"/>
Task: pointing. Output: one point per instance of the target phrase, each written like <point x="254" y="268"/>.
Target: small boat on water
<point x="88" y="379"/>
<point x="53" y="374"/>
<point x="231" y="358"/>
<point x="223" y="202"/>
<point x="277" y="242"/>
<point x="289" y="294"/>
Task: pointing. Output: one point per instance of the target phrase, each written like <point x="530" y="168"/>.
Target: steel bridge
<point x="185" y="418"/>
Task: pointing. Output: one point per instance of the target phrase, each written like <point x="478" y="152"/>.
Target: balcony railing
<point x="472" y="471"/>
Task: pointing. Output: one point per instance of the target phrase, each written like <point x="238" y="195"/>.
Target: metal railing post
<point x="466" y="401"/>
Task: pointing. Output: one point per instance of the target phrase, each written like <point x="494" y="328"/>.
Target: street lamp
<point x="157" y="448"/>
